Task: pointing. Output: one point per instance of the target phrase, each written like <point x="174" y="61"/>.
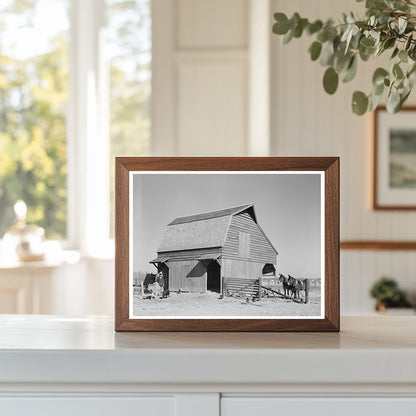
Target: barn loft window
<point x="244" y="244"/>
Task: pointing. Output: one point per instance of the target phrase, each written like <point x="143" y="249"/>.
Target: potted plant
<point x="389" y="27"/>
<point x="387" y="294"/>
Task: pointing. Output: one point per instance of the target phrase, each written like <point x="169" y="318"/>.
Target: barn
<point x="199" y="252"/>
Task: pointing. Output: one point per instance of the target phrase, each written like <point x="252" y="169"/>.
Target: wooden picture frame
<point x="394" y="144"/>
<point x="141" y="179"/>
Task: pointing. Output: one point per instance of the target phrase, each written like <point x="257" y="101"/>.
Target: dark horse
<point x="286" y="286"/>
<point x="296" y="286"/>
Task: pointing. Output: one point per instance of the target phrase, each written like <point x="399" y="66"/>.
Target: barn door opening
<point x="214" y="277"/>
<point x="165" y="270"/>
<point x="269" y="275"/>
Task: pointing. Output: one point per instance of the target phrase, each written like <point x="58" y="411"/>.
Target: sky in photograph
<point x="287" y="206"/>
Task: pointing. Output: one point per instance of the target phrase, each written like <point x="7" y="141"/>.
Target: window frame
<point x="87" y="133"/>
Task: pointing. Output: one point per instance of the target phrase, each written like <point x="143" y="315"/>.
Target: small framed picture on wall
<point x="394" y="158"/>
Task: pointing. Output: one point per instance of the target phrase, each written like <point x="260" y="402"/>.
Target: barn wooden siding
<point x="187" y="275"/>
<point x="241" y="269"/>
<point x="260" y="250"/>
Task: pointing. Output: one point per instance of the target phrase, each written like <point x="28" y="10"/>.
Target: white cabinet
<point x="272" y="406"/>
<point x="88" y="406"/>
<point x="79" y="366"/>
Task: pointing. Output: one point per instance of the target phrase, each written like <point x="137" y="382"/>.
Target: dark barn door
<point x="214" y="277"/>
<point x="165" y="270"/>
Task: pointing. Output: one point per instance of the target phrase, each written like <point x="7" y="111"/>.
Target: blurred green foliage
<point x="33" y="109"/>
<point x="33" y="97"/>
<point x="386" y="291"/>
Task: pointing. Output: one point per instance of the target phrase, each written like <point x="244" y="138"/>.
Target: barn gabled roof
<point x="204" y="230"/>
<point x="214" y="214"/>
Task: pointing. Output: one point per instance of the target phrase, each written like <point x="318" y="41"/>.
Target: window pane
<point x="33" y="100"/>
<point x="129" y="46"/>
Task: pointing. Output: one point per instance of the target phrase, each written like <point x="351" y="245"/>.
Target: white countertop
<point x="53" y="349"/>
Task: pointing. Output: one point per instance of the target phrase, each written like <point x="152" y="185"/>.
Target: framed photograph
<point x="227" y="244"/>
<point x="394" y="159"/>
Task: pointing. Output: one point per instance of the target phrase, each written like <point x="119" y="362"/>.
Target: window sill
<point x="62" y="258"/>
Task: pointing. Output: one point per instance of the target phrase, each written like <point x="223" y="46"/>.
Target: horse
<point x="287" y="288"/>
<point x="155" y="286"/>
<point x="156" y="291"/>
<point x="296" y="285"/>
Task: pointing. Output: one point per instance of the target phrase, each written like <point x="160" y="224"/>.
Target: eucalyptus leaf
<point x="389" y="43"/>
<point x="393" y="101"/>
<point x="374" y="102"/>
<point x="314" y="27"/>
<point x="359" y="103"/>
<point x="395" y="52"/>
<point x="330" y="80"/>
<point x="327" y="54"/>
<point x="341" y="62"/>
<point x="408" y="42"/>
<point x="288" y="37"/>
<point x="379" y="75"/>
<point x="281" y="27"/>
<point x="378" y="89"/>
<point x="315" y="50"/>
<point x="351" y="71"/>
<point x="376" y="4"/>
<point x="402" y="22"/>
<point x="403" y="56"/>
<point x="397" y="71"/>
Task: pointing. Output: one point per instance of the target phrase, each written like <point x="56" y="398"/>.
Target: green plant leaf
<point x="397" y="71"/>
<point x="395" y="52"/>
<point x="376" y="4"/>
<point x="327" y="53"/>
<point x="393" y="101"/>
<point x="298" y="30"/>
<point x="389" y="43"/>
<point x="315" y="50"/>
<point x="379" y="75"/>
<point x="408" y="42"/>
<point x="378" y="89"/>
<point x="367" y="42"/>
<point x="359" y="103"/>
<point x="281" y="27"/>
<point x="351" y="70"/>
<point x="403" y="56"/>
<point x="288" y="37"/>
<point x="330" y="80"/>
<point x="341" y="61"/>
<point x="314" y="27"/>
<point x="374" y="102"/>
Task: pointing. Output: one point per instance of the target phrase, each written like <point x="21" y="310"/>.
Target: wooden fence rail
<point x="246" y="288"/>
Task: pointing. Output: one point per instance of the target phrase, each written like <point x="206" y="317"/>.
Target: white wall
<point x="211" y="96"/>
<point x="202" y="81"/>
<point x="308" y="122"/>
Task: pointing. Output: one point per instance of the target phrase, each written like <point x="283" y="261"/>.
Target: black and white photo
<point x="227" y="244"/>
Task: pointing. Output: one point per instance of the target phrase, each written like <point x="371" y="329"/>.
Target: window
<point x="129" y="45"/>
<point x="75" y="87"/>
<point x="33" y="102"/>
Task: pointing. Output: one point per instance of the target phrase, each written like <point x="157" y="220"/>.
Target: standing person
<point x="163" y="283"/>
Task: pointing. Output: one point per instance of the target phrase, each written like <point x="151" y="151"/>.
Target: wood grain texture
<point x="376" y="204"/>
<point x="378" y="245"/>
<point x="330" y="165"/>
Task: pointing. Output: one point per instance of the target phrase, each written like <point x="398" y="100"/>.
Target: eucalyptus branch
<point x="389" y="25"/>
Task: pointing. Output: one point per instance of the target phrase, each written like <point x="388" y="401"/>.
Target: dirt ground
<point x="210" y="304"/>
